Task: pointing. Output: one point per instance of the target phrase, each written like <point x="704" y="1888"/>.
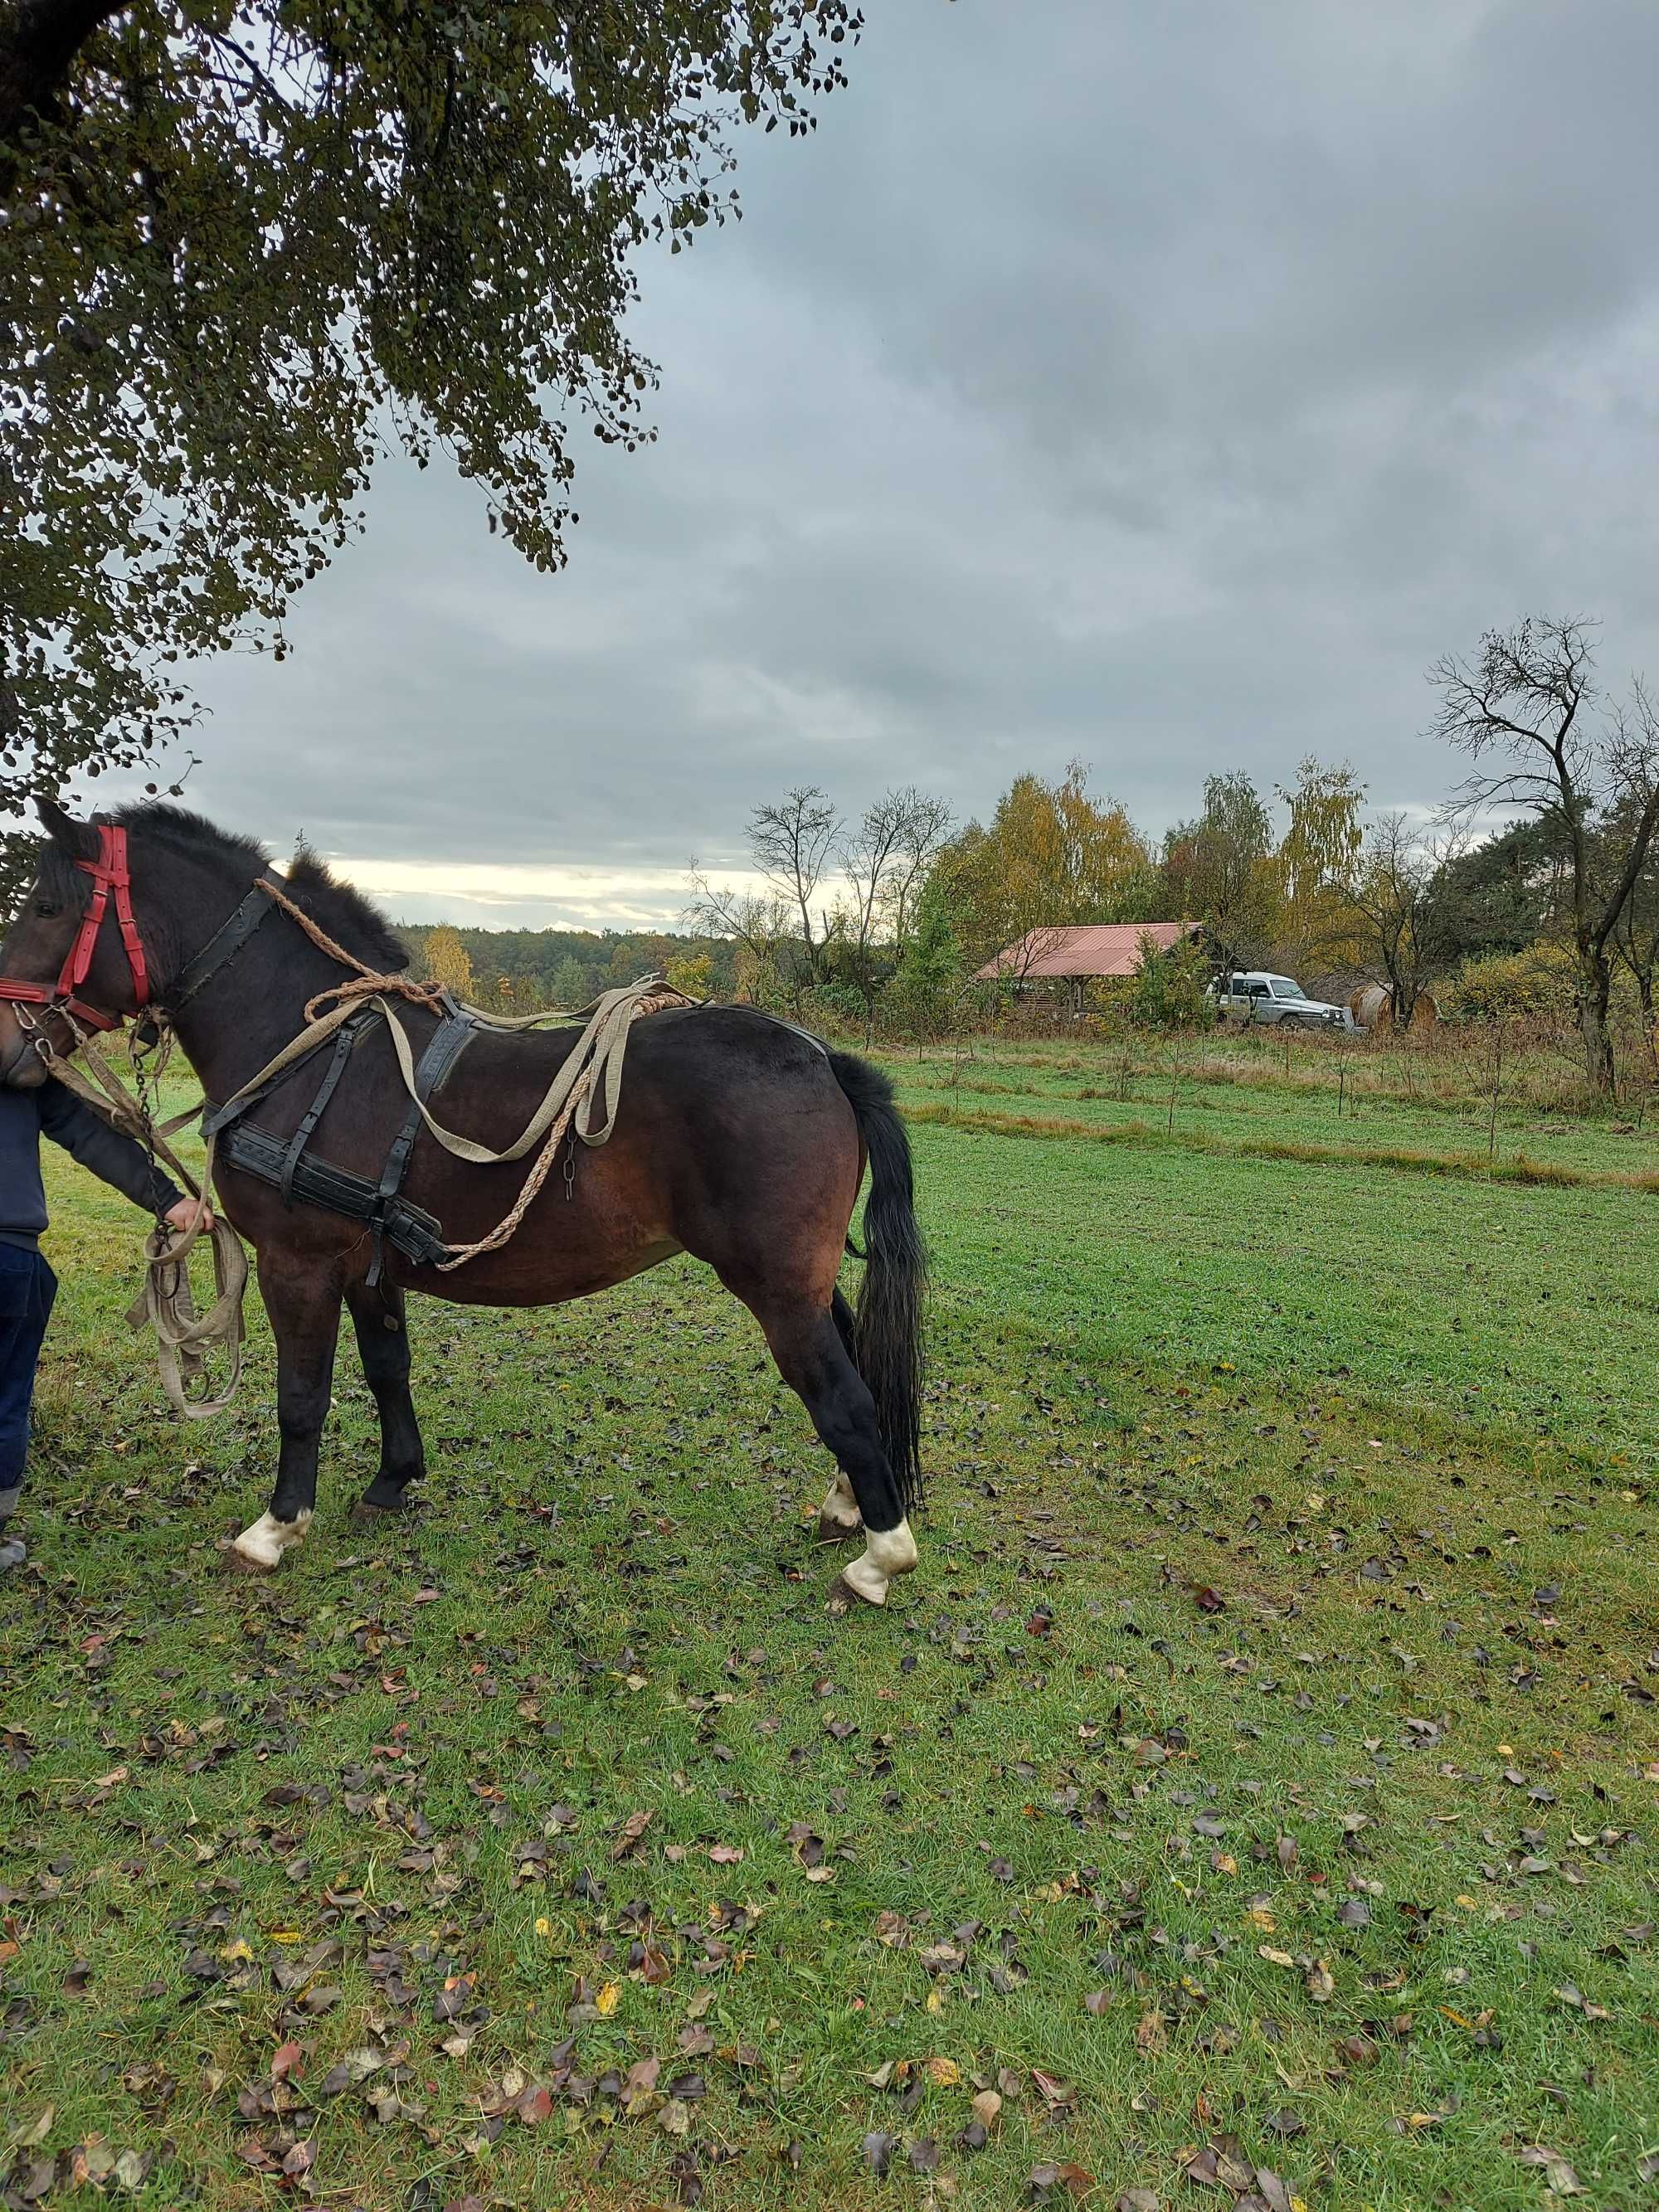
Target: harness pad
<point x="314" y="1181"/>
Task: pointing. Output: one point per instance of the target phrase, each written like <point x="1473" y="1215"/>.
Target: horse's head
<point x="73" y="958"/>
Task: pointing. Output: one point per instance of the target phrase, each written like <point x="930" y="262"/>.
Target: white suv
<point x="1260" y="997"/>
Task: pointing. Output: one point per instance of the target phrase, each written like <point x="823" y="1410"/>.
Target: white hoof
<point x="887" y="1553"/>
<point x="262" y="1543"/>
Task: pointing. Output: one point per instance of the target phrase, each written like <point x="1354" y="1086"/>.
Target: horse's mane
<point x="340" y="908"/>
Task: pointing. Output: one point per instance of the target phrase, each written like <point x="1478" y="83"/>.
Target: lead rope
<point x="185" y="1339"/>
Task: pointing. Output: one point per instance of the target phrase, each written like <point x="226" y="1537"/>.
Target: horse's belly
<point x="520" y="1275"/>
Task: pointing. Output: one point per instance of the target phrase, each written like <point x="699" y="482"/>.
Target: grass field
<point x="1252" y="1797"/>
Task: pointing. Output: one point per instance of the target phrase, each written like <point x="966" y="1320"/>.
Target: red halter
<point x="109" y="873"/>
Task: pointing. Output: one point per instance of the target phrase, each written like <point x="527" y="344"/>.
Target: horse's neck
<point x="244" y="1015"/>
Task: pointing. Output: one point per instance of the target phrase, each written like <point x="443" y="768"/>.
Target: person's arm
<point x="117" y="1160"/>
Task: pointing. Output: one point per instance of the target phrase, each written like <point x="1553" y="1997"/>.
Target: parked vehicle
<point x="1259" y="997"/>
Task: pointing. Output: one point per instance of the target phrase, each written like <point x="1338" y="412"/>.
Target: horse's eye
<point x="47" y="909"/>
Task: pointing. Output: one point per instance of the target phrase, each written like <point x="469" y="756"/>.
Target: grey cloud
<point x="1167" y="385"/>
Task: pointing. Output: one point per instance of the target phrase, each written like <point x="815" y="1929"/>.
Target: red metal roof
<point x="1111" y="948"/>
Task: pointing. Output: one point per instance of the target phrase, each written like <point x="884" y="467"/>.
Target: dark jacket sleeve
<point x="118" y="1160"/>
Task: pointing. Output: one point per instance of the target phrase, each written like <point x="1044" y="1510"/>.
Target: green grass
<point x="1273" y="1708"/>
<point x="1233" y="1092"/>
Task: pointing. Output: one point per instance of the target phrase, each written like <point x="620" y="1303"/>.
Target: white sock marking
<point x="262" y="1543"/>
<point x="887" y="1553"/>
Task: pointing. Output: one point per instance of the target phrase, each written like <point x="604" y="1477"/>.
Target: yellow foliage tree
<point x="1315" y="868"/>
<point x="1053" y="856"/>
<point x="692" y="973"/>
<point x="448" y="960"/>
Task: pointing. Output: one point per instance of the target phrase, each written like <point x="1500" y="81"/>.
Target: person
<point x="27" y="1285"/>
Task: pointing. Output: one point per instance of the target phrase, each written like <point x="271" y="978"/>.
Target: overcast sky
<point x="1163" y="385"/>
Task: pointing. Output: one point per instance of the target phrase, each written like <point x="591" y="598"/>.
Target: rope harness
<point x="581" y="1100"/>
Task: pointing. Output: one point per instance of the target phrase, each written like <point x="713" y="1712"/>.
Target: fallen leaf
<point x="629" y="1837"/>
<point x="878" y="2151"/>
<point x="1561" y="2173"/>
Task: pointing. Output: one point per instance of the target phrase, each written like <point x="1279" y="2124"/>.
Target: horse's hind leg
<point x="303" y="1303"/>
<point x="813" y="1359"/>
<point x="838" y="1517"/>
<point x="379" y="1318"/>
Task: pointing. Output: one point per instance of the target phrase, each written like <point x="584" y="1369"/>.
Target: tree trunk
<point x="1649" y="1022"/>
<point x="1594" y="990"/>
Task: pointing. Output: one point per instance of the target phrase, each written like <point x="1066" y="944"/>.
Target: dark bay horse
<point x="739" y="1139"/>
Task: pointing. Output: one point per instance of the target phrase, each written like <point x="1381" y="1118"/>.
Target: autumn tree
<point x="448" y="960"/>
<point x="1053" y="856"/>
<point x="1312" y="870"/>
<point x="692" y="973"/>
<point x="569" y="989"/>
<point x="1217" y="872"/>
<point x="793" y="845"/>
<point x="1529" y="714"/>
<point x="757" y="923"/>
<point x="930" y="976"/>
<point x="242" y="248"/>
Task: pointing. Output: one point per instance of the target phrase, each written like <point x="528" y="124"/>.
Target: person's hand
<point x="189" y="1213"/>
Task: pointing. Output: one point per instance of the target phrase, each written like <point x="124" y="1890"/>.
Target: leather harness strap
<point x="109" y="873"/>
<point x="345" y="1037"/>
<point x="453" y="1033"/>
<point x="223" y="945"/>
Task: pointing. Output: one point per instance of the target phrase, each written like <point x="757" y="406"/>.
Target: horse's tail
<point x="886" y="1345"/>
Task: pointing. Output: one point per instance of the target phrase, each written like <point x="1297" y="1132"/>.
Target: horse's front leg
<point x="380" y="1316"/>
<point x="303" y="1303"/>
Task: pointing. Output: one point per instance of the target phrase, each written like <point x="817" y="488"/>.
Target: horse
<point x="740" y="1139"/>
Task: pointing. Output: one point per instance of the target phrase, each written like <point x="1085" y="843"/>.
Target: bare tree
<point x="1395" y="894"/>
<point x="1636" y="934"/>
<point x="923" y="824"/>
<point x="883" y="860"/>
<point x="794" y="845"/>
<point x="1527" y="714"/>
<point x="757" y="922"/>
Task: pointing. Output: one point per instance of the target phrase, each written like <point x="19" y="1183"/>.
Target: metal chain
<point x="146" y="1085"/>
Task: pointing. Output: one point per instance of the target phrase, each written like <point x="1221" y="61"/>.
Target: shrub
<point x="1168" y="991"/>
<point x="1535" y="984"/>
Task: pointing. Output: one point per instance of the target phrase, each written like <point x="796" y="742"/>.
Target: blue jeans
<point x="27" y="1288"/>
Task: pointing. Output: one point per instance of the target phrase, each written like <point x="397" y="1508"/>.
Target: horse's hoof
<point x="262" y="1544"/>
<point x="831" y="1531"/>
<point x="372" y="1509"/>
<point x="843" y="1598"/>
<point x="239" y="1562"/>
<point x="386" y="1494"/>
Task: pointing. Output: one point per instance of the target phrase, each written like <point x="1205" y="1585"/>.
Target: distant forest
<point x="529" y="969"/>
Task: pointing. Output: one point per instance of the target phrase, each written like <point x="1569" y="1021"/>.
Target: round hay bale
<point x="1425" y="1015"/>
<point x="1372" y="1007"/>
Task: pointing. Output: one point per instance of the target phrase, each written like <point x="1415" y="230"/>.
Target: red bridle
<point x="109" y="873"/>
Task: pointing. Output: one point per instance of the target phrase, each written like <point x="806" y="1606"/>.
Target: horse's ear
<point x="78" y="839"/>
